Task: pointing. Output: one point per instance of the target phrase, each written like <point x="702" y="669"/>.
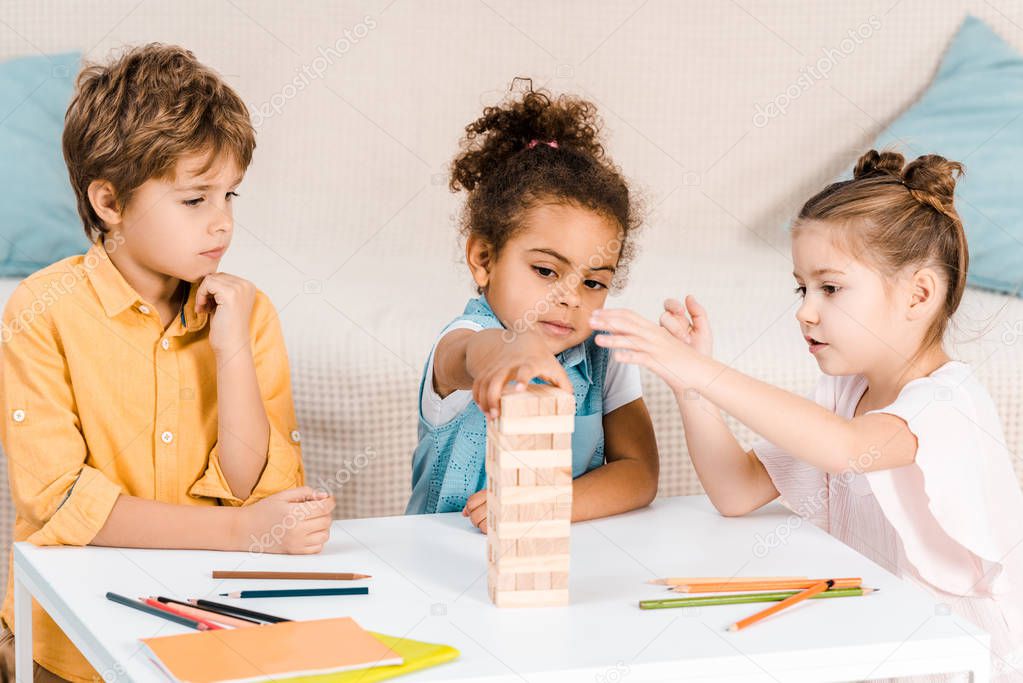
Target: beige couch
<point x="346" y="221"/>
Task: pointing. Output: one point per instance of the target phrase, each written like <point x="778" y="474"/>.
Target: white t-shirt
<point x="621" y="385"/>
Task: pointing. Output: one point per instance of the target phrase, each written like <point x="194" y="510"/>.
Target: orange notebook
<point x="272" y="652"/>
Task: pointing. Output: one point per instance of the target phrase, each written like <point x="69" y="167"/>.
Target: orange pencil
<point x="797" y="584"/>
<point x="694" y="580"/>
<point x="784" y="604"/>
<point x="170" y="610"/>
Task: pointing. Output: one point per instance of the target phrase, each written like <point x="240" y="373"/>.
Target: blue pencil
<point x="297" y="592"/>
<point x="143" y="607"/>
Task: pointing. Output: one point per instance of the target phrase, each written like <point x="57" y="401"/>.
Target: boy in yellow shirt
<point x="146" y="396"/>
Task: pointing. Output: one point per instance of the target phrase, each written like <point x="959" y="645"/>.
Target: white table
<point x="429" y="583"/>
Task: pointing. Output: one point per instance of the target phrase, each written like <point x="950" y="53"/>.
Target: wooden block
<point x="529" y="484"/>
<point x="537" y="424"/>
<point x="520" y="403"/>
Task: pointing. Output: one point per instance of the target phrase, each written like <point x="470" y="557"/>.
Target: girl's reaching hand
<point x="519" y="360"/>
<point x="476" y="510"/>
<point x="634" y="339"/>
<point x="688" y="323"/>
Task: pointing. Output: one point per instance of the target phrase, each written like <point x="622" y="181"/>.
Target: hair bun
<point x="533" y="118"/>
<point x="932" y="180"/>
<point x="874" y="164"/>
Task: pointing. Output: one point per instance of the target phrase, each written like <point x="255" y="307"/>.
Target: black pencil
<point x="231" y="610"/>
<point x="221" y="612"/>
<point x="143" y="607"/>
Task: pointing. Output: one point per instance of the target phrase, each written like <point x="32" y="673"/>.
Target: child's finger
<point x="478" y="516"/>
<point x="697" y="312"/>
<point x="475" y="500"/>
<point x="674" y="306"/>
<point x="618" y="341"/>
<point x="678" y="327"/>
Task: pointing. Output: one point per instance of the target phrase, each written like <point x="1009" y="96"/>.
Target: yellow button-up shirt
<point x="98" y="399"/>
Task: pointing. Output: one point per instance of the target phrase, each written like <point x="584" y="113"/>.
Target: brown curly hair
<point x="899" y="214"/>
<point x="132" y="119"/>
<point x="538" y="149"/>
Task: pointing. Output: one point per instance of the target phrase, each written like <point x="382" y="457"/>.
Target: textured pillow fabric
<point x="39" y="223"/>
<point x="973" y="113"/>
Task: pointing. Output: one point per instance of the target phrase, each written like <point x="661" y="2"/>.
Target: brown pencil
<point x="312" y="576"/>
<point x="798" y="584"/>
<point x="784" y="604"/>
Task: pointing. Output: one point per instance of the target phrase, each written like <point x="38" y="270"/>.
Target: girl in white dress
<point x="900" y="453"/>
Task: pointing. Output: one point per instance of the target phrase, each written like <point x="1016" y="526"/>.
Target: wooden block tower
<point x="529" y="497"/>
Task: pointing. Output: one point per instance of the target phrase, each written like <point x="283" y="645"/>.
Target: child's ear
<point x="479" y="255"/>
<point x="103" y="197"/>
<point x="925" y="287"/>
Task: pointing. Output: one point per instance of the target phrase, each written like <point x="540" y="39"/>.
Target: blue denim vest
<point x="448" y="463"/>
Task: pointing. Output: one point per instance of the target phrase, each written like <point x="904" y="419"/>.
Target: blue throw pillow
<point x="973" y="113"/>
<point x="39" y="223"/>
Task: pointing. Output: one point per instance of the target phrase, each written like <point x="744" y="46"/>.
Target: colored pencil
<point x="186" y="610"/>
<point x="142" y="607"/>
<point x="798" y="584"/>
<point x="297" y="592"/>
<point x="313" y="576"/>
<point x="171" y="609"/>
<point x="784" y="604"/>
<point x="237" y="611"/>
<point x="694" y="580"/>
<point x="743" y="598"/>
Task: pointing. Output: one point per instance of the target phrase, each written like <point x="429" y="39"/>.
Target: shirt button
<point x="144" y="310"/>
<point x="18" y="415"/>
<point x="296" y="436"/>
<point x="166" y="437"/>
<point x="165" y="344"/>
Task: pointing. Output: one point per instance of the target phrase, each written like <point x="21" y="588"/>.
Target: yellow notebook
<point x="269" y="653"/>
<point x="417" y="656"/>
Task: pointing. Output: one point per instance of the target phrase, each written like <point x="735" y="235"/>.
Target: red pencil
<point x="163" y="607"/>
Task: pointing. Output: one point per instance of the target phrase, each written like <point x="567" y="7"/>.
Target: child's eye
<point x="800" y="290"/>
<point x="595" y="284"/>
<point x="543" y="272"/>
<point x="193" y="202"/>
<point x="830" y="289"/>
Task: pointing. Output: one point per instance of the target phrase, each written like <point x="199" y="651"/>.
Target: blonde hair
<point x="132" y="119"/>
<point x="897" y="215"/>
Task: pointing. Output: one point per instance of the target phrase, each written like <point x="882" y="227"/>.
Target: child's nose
<point x="567" y="295"/>
<point x="806" y="313"/>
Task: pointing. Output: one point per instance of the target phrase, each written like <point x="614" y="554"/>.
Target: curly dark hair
<point x="538" y="149"/>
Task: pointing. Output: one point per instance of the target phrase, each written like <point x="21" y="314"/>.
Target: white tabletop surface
<point x="429" y="583"/>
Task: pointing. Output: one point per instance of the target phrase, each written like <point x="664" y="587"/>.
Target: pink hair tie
<point x="550" y="143"/>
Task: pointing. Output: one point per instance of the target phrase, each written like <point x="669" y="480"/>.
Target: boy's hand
<point x="688" y="323"/>
<point x="294" y="522"/>
<point x="229" y="300"/>
<point x="636" y="340"/>
<point x="476" y="510"/>
<point x="520" y="360"/>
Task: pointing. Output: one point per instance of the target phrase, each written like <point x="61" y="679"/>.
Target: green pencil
<point x="743" y="598"/>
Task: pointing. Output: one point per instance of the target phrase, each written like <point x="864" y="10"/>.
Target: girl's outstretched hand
<point x="634" y="339"/>
<point x="688" y="323"/>
<point x="476" y="510"/>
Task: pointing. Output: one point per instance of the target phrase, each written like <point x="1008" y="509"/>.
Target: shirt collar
<point x="114" y="292"/>
<point x="116" y="295"/>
